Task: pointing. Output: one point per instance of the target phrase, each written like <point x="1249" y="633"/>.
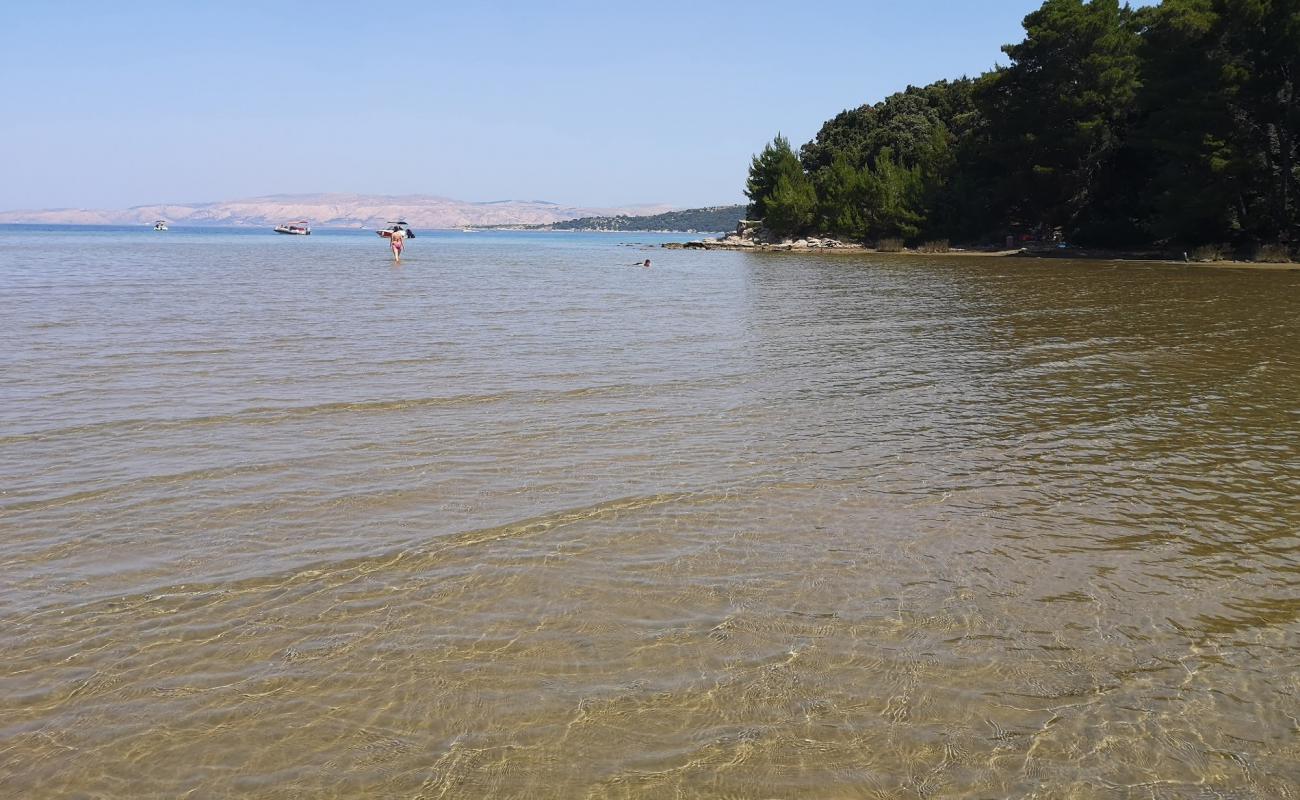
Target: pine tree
<point x="1062" y="109"/>
<point x="1222" y="119"/>
<point x="792" y="206"/>
<point x="1177" y="122"/>
<point x="775" y="160"/>
<point x="893" y="194"/>
<point x="841" y="197"/>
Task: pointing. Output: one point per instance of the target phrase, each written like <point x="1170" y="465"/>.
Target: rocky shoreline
<point x="750" y="236"/>
<point x="733" y="243"/>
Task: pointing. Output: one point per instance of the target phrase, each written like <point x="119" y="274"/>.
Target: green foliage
<point x="1222" y="118"/>
<point x="1061" y="111"/>
<point x="894" y="193"/>
<point x="765" y="170"/>
<point x="841" y="190"/>
<point x="792" y="206"/>
<point x="1178" y="122"/>
<point x="922" y="128"/>
<point x="714" y="218"/>
<point x="904" y="122"/>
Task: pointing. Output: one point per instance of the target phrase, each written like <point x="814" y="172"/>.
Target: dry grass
<point x="1272" y="254"/>
<point x="1210" y="252"/>
<point x="890" y="245"/>
<point x="936" y="246"/>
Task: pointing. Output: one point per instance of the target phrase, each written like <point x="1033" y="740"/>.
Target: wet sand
<point x="1072" y="254"/>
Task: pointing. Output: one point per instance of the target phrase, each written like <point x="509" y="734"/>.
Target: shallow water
<point x="516" y="518"/>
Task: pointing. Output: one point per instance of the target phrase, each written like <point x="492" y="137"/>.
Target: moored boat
<point x="299" y="228"/>
<point x="396" y="225"/>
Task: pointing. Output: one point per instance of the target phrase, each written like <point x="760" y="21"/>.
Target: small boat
<point x="159" y="225"/>
<point x="299" y="228"/>
<point x="396" y="225"/>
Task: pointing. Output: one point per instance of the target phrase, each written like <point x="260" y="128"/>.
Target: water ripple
<point x="513" y="520"/>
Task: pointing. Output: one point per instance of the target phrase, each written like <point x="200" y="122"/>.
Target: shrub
<point x="1209" y="252"/>
<point x="1272" y="254"/>
<point x="935" y="246"/>
<point x="890" y="245"/>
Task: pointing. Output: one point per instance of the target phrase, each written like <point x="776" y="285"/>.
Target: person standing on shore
<point x="397" y="240"/>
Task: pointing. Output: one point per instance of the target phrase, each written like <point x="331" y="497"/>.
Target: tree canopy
<point x="1177" y="123"/>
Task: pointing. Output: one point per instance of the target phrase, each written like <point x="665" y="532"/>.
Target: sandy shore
<point x="1024" y="254"/>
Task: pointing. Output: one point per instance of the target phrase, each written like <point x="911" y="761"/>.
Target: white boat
<point x="159" y="225"/>
<point x="394" y="225"/>
<point x="299" y="228"/>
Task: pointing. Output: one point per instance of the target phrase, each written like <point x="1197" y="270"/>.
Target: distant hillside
<point x="330" y="211"/>
<point x="714" y="218"/>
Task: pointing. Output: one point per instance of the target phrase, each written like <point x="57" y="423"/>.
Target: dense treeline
<point x="1113" y="126"/>
<point x="713" y="218"/>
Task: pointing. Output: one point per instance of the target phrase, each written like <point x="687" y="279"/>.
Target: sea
<point x="521" y="518"/>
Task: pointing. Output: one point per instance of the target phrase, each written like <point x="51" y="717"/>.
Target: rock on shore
<point x="751" y="235"/>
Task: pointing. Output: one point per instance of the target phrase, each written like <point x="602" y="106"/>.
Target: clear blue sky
<point x="110" y="104"/>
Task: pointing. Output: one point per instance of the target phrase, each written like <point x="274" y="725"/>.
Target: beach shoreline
<point x="1028" y="254"/>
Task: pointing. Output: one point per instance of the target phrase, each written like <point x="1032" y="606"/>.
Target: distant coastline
<point x="710" y="219"/>
<point x="260" y="229"/>
<point x="335" y="210"/>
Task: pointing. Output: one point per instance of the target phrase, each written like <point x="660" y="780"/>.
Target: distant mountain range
<point x="332" y="211"/>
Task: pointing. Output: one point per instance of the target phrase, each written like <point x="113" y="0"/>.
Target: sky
<point x="108" y="105"/>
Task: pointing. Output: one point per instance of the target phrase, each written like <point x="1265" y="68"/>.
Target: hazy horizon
<point x="287" y="196"/>
<point x="575" y="104"/>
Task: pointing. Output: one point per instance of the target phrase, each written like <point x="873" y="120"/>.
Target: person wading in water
<point x="397" y="240"/>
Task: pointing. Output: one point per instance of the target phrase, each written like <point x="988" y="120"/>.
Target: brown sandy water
<point x="517" y="520"/>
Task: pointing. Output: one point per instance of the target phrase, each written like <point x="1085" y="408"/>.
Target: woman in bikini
<point x="396" y="240"/>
